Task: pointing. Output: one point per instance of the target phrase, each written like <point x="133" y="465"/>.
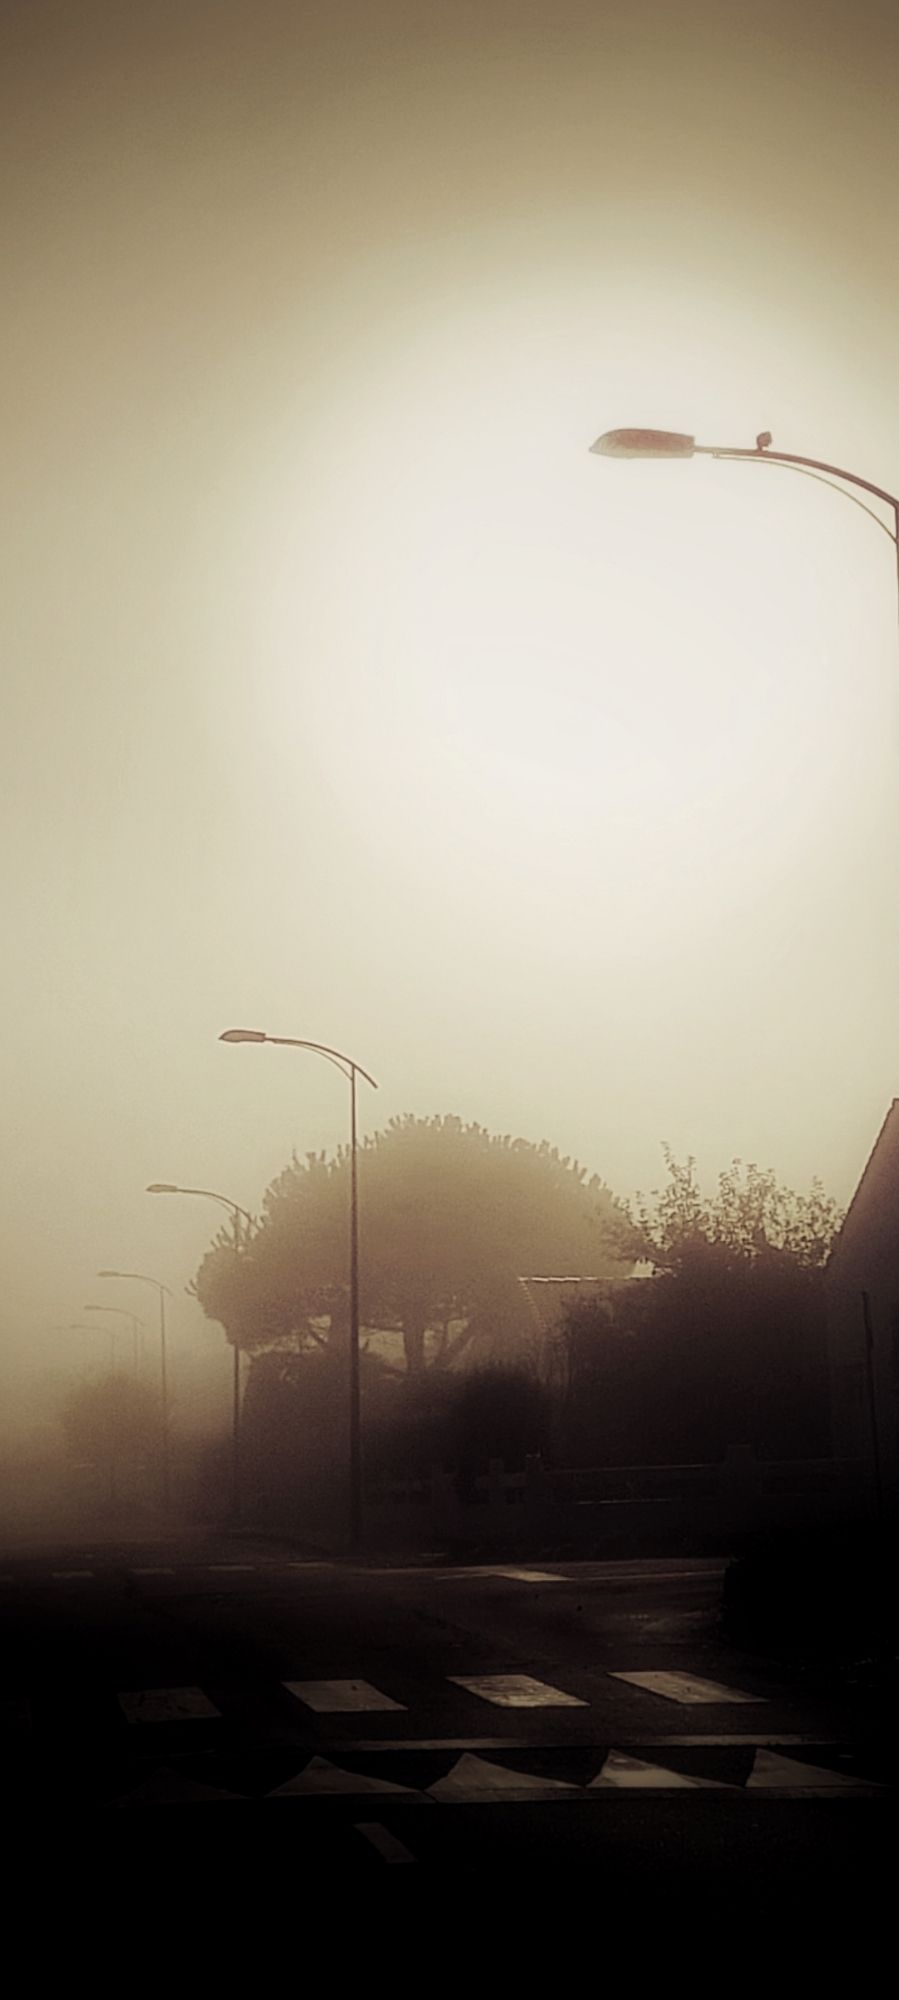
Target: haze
<point x="346" y="695"/>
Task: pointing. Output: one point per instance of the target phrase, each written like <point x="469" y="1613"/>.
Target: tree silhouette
<point x="726" y="1344"/>
<point x="452" y="1217"/>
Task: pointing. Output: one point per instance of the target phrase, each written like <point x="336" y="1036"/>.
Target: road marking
<point x="474" y="1780"/>
<point x="340" y="1697"/>
<point x="153" y="1569"/>
<point x="627" y="1773"/>
<point x="321" y="1779"/>
<point x="770" y="1771"/>
<point x="515" y="1691"/>
<point x="67" y="1575"/>
<point x="188" y="1704"/>
<point x="524" y="1575"/>
<point x="243" y="1567"/>
<point x="687" y="1689"/>
<point x="384" y="1842"/>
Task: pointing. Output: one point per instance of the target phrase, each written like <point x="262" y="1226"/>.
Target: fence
<point x="609" y="1504"/>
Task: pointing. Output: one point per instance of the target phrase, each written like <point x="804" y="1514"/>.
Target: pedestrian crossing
<point x="188" y="1744"/>
<point x="360" y="1697"/>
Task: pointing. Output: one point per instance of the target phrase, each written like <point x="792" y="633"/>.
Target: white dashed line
<point x="339" y="1697"/>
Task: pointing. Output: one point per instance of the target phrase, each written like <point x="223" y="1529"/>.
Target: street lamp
<point x="140" y="1278"/>
<point x="123" y="1314"/>
<point x="351" y="1070"/>
<point x="238" y="1216"/>
<point x="676" y="444"/>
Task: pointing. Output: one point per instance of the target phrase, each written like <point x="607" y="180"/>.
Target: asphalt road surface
<point x="340" y="1716"/>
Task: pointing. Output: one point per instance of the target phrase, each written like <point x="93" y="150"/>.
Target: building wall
<point x="866" y="1260"/>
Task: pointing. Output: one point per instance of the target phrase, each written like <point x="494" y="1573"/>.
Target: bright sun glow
<point x="559" y="685"/>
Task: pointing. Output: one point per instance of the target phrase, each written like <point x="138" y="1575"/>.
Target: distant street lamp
<point x="140" y="1278"/>
<point x="351" y="1070"/>
<point x="136" y="1326"/>
<point x="676" y="444"/>
<point x="239" y="1216"/>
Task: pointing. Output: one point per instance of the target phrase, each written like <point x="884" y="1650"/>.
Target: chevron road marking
<point x="321" y="1779"/>
<point x="628" y="1773"/>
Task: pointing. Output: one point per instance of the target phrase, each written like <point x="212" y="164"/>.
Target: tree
<point x="725" y="1345"/>
<point x="750" y="1216"/>
<point x="451" y="1218"/>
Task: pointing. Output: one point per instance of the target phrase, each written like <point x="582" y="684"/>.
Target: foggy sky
<point x="344" y="694"/>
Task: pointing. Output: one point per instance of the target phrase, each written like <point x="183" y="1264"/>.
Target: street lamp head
<point x="162" y="1187"/>
<point x="243" y="1035"/>
<point x="644" y="444"/>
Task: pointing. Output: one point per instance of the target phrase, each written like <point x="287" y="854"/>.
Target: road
<point x="562" y="1713"/>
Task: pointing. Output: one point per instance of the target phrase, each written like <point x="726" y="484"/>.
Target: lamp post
<point x="136" y="1326"/>
<point x="350" y="1070"/>
<point x="239" y="1216"/>
<point x="677" y="444"/>
<point x="163" y="1292"/>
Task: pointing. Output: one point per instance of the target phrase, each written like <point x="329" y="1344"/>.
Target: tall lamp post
<point x="136" y="1326"/>
<point x="239" y="1218"/>
<point x="350" y="1070"/>
<point x="676" y="444"/>
<point x="163" y="1292"/>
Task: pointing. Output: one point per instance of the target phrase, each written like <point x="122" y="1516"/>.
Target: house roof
<point x="548" y="1297"/>
<point x="864" y="1204"/>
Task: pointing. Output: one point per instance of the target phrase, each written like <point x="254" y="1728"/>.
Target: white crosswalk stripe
<point x="688" y="1689"/>
<point x="340" y="1697"/>
<point x="516" y="1691"/>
